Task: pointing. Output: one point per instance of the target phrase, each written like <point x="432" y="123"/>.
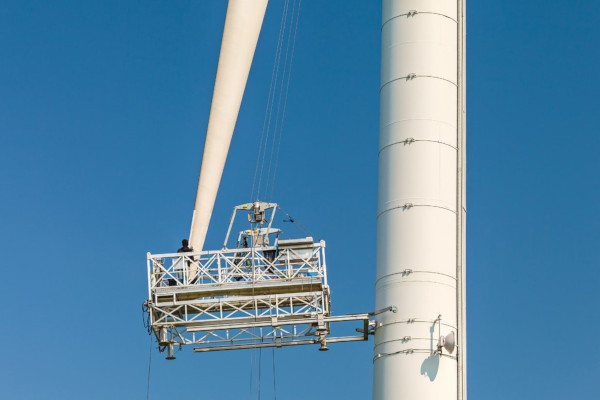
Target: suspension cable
<point x="251" y="370"/>
<point x="279" y="96"/>
<point x="288" y="65"/>
<point x="259" y="368"/>
<point x="269" y="107"/>
<point x="294" y="221"/>
<point x="274" y="378"/>
<point x="149" y="368"/>
<point x="265" y="171"/>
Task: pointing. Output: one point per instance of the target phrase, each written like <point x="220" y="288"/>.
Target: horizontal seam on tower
<point x="415" y="205"/>
<point x="405" y="142"/>
<point x="415" y="271"/>
<point x="413" y="76"/>
<point x="402" y="340"/>
<point x="414" y="321"/>
<point x="409" y="14"/>
<point x="424" y="281"/>
<point x="410" y="351"/>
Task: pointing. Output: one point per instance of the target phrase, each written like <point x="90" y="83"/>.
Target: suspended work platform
<point x="252" y="295"/>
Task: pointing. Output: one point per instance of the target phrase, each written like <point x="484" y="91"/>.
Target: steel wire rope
<point x="276" y="93"/>
<point x="264" y="138"/>
<point x="282" y="95"/>
<point x="251" y="369"/>
<point x="294" y="221"/>
<point x="259" y="368"/>
<point x="251" y="373"/>
<point x="149" y="369"/>
<point x="287" y="88"/>
<point x="274" y="376"/>
<point x="267" y="107"/>
<point x="252" y="351"/>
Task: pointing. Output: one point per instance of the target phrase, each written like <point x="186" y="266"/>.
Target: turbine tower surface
<point x="420" y="351"/>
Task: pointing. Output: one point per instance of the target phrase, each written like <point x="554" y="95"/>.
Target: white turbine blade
<point x="242" y="27"/>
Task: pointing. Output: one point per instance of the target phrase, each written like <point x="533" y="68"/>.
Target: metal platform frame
<point x="246" y="297"/>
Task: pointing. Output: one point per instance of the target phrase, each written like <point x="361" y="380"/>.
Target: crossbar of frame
<point x="275" y="332"/>
<point x="341" y="339"/>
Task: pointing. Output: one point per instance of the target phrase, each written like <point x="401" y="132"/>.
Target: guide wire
<point x="149" y="368"/>
<point x="251" y="369"/>
<point x="264" y="138"/>
<point x="288" y="61"/>
<point x="278" y="114"/>
<point x="292" y="220"/>
<point x="252" y="351"/>
<point x="259" y="368"/>
<point x="274" y="378"/>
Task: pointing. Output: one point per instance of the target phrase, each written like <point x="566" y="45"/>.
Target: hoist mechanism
<point x="259" y="290"/>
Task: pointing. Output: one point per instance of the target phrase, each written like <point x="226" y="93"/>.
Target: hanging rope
<point x="149" y="368"/>
<point x="269" y="145"/>
<point x="274" y="380"/>
<point x="259" y="368"/>
<point x="279" y="97"/>
<point x="269" y="107"/>
<point x="273" y="124"/>
<point x="251" y="369"/>
<point x="288" y="65"/>
<point x="294" y="221"/>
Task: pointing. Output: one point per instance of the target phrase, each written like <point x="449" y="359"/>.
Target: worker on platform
<point x="185" y="248"/>
<point x="238" y="258"/>
<point x="192" y="268"/>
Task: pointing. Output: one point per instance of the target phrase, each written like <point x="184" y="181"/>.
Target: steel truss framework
<point x="244" y="298"/>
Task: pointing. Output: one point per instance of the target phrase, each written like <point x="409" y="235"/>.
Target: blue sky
<point x="103" y="110"/>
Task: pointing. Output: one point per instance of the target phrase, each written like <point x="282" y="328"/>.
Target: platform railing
<point x="247" y="298"/>
<point x="236" y="266"/>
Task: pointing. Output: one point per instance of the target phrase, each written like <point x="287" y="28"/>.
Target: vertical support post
<point x="421" y="201"/>
<point x="150" y="271"/>
<point x="184" y="270"/>
<point x="324" y="263"/>
<point x="220" y="276"/>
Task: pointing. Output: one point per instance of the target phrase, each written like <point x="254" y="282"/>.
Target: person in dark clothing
<point x="192" y="269"/>
<point x="185" y="247"/>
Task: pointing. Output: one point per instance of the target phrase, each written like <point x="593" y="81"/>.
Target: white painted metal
<point x="230" y="292"/>
<point x="461" y="200"/>
<point x="240" y="35"/>
<point x="256" y="232"/>
<point x="252" y="295"/>
<point x="420" y="221"/>
<point x="240" y="298"/>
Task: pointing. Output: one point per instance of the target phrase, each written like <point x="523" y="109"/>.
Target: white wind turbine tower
<point x="248" y="295"/>
<point x="421" y="206"/>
